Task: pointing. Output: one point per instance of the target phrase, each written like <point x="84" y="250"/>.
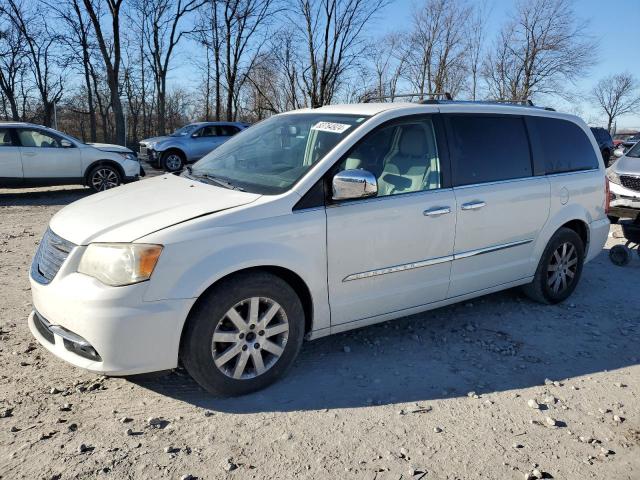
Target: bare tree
<point x="163" y="32"/>
<point x="617" y="95"/>
<point x="332" y="32"/>
<point x="541" y="48"/>
<point x="389" y="60"/>
<point x="111" y="55"/>
<point x="12" y="66"/>
<point x="436" y="48"/>
<point x="40" y="49"/>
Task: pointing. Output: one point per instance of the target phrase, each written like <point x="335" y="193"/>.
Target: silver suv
<point x="624" y="178"/>
<point x="187" y="144"/>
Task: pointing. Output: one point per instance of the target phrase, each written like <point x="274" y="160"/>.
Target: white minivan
<point x="315" y="222"/>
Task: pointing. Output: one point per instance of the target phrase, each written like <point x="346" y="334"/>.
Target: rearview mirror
<point x="351" y="184"/>
<point x="618" y="152"/>
<point x="65" y="143"/>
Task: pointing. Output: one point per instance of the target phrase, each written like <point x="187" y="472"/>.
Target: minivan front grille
<point x="50" y="256"/>
<point x="630" y="182"/>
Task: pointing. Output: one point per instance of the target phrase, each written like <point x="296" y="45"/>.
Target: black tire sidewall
<point x="562" y="236"/>
<point x="101" y="167"/>
<point x="195" y="349"/>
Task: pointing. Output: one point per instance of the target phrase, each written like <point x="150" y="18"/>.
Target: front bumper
<point x="624" y="203"/>
<point x="127" y="334"/>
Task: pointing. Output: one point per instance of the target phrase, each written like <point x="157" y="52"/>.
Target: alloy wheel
<point x="173" y="162"/>
<point x="250" y="338"/>
<point x="562" y="267"/>
<point x="104" y="179"/>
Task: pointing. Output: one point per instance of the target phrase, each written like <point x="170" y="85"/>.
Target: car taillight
<point x="607" y="196"/>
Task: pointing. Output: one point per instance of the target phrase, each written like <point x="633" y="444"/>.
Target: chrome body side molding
<point x="433" y="261"/>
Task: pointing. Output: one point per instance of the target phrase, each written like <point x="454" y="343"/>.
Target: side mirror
<point x="64" y="143"/>
<point x="618" y="152"/>
<point x="352" y="184"/>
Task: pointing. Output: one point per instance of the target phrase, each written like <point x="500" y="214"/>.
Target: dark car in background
<point x="605" y="143"/>
<point x="187" y="144"/>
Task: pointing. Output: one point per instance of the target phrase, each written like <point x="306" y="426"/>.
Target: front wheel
<point x="243" y="334"/>
<point x="104" y="177"/>
<point x="559" y="269"/>
<point x="172" y="161"/>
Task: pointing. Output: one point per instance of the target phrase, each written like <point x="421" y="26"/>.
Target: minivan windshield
<point x="186" y="130"/>
<point x="270" y="157"/>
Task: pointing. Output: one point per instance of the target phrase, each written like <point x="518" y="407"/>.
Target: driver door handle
<point x="436" y="211"/>
<point x="473" y="205"/>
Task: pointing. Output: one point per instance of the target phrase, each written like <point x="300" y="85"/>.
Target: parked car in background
<point x="187" y="144"/>
<point x="624" y="178"/>
<point x="605" y="143"/>
<point x="34" y="156"/>
<point x="622" y="137"/>
<point x="316" y="222"/>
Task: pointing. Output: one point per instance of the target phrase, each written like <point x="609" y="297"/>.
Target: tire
<point x="613" y="220"/>
<point x="104" y="177"/>
<point x="551" y="288"/>
<point x="620" y="255"/>
<point x="235" y="370"/>
<point x="172" y="161"/>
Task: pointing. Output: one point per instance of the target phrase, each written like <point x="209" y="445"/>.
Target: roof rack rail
<point x="432" y="96"/>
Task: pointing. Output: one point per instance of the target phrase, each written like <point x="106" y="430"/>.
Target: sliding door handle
<point x="473" y="205"/>
<point x="434" y="212"/>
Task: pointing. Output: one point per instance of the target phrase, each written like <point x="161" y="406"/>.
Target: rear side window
<point x="6" y="139"/>
<point x="487" y="148"/>
<point x="564" y="145"/>
<point x="227" y="130"/>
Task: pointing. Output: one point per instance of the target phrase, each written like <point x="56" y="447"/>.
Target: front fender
<point x="295" y="242"/>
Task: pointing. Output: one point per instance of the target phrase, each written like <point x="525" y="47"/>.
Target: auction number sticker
<point x="331" y="127"/>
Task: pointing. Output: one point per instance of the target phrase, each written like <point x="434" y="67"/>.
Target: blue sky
<point x="615" y="25"/>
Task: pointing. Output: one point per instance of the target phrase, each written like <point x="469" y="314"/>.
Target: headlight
<point x="613" y="177"/>
<point x="119" y="264"/>
<point x="129" y="156"/>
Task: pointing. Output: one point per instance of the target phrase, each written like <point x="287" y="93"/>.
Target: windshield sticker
<point x="331" y="127"/>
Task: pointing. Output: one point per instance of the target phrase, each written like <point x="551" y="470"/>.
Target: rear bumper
<point x="599" y="232"/>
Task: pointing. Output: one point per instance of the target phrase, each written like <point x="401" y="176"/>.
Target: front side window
<point x="270" y="157"/>
<point x="186" y="130"/>
<point x="6" y="139"/>
<point x="486" y="148"/>
<point x="208" y="131"/>
<point x="37" y="138"/>
<point x="402" y="156"/>
<point x="227" y="130"/>
<point x="565" y="146"/>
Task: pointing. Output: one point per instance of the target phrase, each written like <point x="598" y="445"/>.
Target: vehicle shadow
<point x="499" y="342"/>
<point x="42" y="196"/>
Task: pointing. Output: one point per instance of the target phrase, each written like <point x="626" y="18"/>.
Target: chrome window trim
<point x="359" y="201"/>
<point x="433" y="261"/>
<point x="573" y="172"/>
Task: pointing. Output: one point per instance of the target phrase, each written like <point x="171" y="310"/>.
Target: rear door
<point x="44" y="157"/>
<point x="502" y="199"/>
<point x="10" y="161"/>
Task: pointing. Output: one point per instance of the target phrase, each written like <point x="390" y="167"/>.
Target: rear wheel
<point x="104" y="177"/>
<point x="244" y="334"/>
<point x="559" y="269"/>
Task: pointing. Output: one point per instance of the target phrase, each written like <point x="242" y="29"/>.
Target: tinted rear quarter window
<point x="564" y="145"/>
<point x="488" y="148"/>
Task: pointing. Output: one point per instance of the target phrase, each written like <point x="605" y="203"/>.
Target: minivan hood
<point x="624" y="164"/>
<point x="126" y="213"/>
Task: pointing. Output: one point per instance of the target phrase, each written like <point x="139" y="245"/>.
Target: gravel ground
<point x="495" y="388"/>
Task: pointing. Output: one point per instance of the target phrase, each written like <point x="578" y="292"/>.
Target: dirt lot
<point x="441" y="395"/>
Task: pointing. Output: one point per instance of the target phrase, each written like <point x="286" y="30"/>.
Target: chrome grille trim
<point x="630" y="182"/>
<point x="51" y="254"/>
